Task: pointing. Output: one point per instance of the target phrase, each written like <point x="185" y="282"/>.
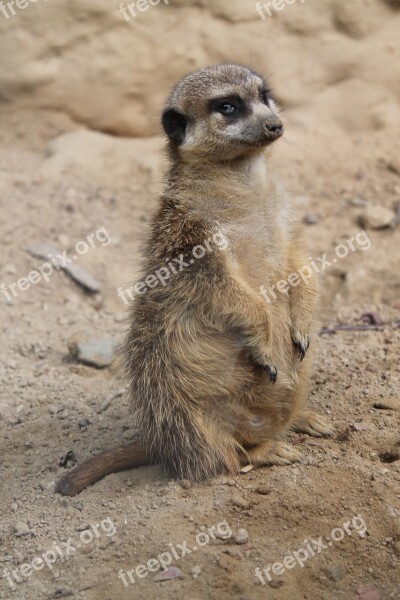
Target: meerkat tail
<point x="102" y="464"/>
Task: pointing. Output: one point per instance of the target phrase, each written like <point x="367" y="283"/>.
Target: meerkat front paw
<point x="301" y="341"/>
<point x="261" y="358"/>
<point x="272" y="371"/>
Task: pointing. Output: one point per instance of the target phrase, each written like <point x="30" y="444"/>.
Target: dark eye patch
<point x="229" y="106"/>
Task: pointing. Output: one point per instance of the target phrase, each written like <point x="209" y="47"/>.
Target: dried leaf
<point x="367" y="592"/>
<point x="358" y="426"/>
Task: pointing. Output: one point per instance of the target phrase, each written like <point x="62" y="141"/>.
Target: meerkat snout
<point x="274" y="128"/>
<point x="220" y="113"/>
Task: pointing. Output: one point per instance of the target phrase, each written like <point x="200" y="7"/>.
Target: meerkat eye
<point x="227" y="106"/>
<point x="265" y="95"/>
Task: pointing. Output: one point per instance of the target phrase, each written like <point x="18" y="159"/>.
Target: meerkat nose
<point x="274" y="128"/>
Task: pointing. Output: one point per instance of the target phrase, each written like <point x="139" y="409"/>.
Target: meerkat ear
<point x="174" y="124"/>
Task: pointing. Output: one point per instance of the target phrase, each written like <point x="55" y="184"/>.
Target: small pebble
<point x="185" y="484"/>
<point x="335" y="572"/>
<point x="170" y="573"/>
<point x="376" y="217"/>
<point x="241" y="536"/>
<point x="195" y="571"/>
<point x="47" y="485"/>
<point x="310" y="219"/>
<point x="130" y="434"/>
<point x="21" y="528"/>
<point x="263" y="490"/>
<point x="93" y="350"/>
<point x="358" y="201"/>
<point x="241" y="502"/>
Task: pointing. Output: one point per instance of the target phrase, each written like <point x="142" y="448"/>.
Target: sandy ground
<point x="62" y="192"/>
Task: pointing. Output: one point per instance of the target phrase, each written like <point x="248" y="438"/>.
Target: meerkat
<point x="216" y="374"/>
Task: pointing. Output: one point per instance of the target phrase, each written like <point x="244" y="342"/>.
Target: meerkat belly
<point x="206" y="362"/>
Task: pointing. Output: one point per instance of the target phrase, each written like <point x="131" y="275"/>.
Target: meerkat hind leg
<point x="313" y="424"/>
<point x="272" y="453"/>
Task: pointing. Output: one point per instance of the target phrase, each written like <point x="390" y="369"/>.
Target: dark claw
<point x="272" y="371"/>
<point x="302" y="350"/>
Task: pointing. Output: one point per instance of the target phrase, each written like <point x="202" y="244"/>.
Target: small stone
<point x="195" y="571"/>
<point x="310" y="219"/>
<point x="64" y="240"/>
<point x="83" y="423"/>
<point x="10" y="269"/>
<point x="21" y="528"/>
<point x="130" y="434"/>
<point x="241" y="502"/>
<point x="358" y="201"/>
<point x="376" y="217"/>
<point x="120" y="317"/>
<point x="14" y="506"/>
<point x="47" y="485"/>
<point x="185" y="484"/>
<point x="77" y="273"/>
<point x="263" y="490"/>
<point x="95" y="351"/>
<point x="276" y="583"/>
<point x="241" y="536"/>
<point x="107" y="402"/>
<point x="170" y="573"/>
<point x="335" y="572"/>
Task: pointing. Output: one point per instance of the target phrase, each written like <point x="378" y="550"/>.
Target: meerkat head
<point x="220" y="113"/>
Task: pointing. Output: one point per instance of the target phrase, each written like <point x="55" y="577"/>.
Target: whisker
<point x="297" y="146"/>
